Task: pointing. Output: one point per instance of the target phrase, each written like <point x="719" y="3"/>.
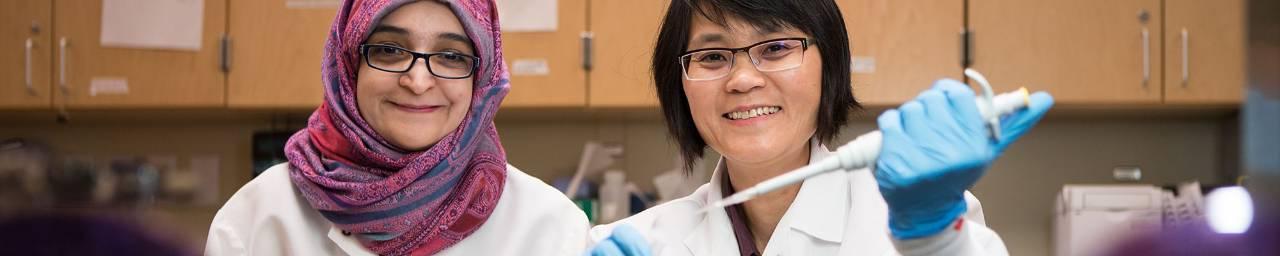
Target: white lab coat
<point x="838" y="213"/>
<point x="268" y="216"/>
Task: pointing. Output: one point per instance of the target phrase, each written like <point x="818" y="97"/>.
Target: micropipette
<point x="863" y="151"/>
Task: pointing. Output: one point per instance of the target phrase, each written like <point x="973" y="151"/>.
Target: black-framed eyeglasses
<point x="767" y="56"/>
<point x="448" y="65"/>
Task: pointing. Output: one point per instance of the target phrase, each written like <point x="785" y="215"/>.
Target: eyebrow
<point x="389" y="29"/>
<point x="708" y="38"/>
<point x="714" y="38"/>
<point x="454" y="37"/>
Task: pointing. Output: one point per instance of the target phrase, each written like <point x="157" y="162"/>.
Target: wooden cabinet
<point x="277" y="49"/>
<point x="1086" y="52"/>
<point x="900" y="48"/>
<point x="546" y="67"/>
<point x="1082" y="51"/>
<point x="275" y="54"/>
<point x="90" y="76"/>
<point x="624" y="36"/>
<point x="1204" y="47"/>
<point x="25" y="46"/>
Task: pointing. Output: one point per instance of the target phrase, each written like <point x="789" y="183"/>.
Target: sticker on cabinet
<point x="530" y="67"/>
<point x="108" y="86"/>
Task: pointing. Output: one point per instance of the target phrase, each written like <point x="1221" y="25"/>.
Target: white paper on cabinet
<point x="528" y="15"/>
<point x="153" y="24"/>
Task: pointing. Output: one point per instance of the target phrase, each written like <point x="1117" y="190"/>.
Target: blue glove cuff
<point x="907" y="226"/>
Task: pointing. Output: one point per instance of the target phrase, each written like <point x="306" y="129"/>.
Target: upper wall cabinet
<point x="546" y="66"/>
<point x="624" y="33"/>
<point x="277" y="48"/>
<point x="900" y="48"/>
<point x="88" y="75"/>
<point x="1082" y="51"/>
<point x="1204" y="47"/>
<point x="26" y="45"/>
<point x="275" y="53"/>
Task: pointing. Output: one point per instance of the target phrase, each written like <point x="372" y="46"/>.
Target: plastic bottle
<point x="614" y="198"/>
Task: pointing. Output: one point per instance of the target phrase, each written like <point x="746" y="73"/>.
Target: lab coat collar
<point x="819" y="210"/>
<point x="714" y="231"/>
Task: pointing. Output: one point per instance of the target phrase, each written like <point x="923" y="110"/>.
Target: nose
<point x="418" y="79"/>
<point x="744" y="76"/>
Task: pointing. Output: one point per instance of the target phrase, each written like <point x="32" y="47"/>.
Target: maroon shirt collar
<point x="738" y="219"/>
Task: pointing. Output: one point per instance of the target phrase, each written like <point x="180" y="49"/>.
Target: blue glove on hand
<point x="624" y="241"/>
<point x="936" y="147"/>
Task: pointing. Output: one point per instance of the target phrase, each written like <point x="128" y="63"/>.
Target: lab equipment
<point x="595" y="157"/>
<point x="935" y="149"/>
<point x="615" y="199"/>
<point x="1090" y="219"/>
<point x="863" y="151"/>
<point x="675" y="183"/>
<point x="1095" y="219"/>
<point x="24" y="166"/>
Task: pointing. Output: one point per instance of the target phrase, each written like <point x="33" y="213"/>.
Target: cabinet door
<point x="25" y="45"/>
<point x="1081" y="51"/>
<point x="99" y="77"/>
<point x="1204" y="46"/>
<point x="546" y="66"/>
<point x="624" y="36"/>
<point x="901" y="47"/>
<point x="276" y="49"/>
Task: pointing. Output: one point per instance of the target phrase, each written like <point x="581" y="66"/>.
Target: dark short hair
<point x="821" y="19"/>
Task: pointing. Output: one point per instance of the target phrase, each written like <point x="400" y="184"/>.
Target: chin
<point x="751" y="151"/>
<point x="416" y="142"/>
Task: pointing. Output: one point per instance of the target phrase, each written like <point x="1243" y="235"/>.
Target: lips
<point x="416" y="108"/>
<point x="745" y="113"/>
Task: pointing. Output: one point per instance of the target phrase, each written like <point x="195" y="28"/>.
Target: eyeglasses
<point x="767" y="56"/>
<point x="448" y="65"/>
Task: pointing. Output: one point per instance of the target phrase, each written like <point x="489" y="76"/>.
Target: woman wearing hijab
<point x="402" y="158"/>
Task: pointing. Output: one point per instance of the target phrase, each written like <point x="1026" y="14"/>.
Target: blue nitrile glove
<point x="936" y="147"/>
<point x="624" y="241"/>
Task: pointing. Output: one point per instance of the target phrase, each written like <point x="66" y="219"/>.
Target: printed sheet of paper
<point x="528" y="15"/>
<point x="153" y="24"/>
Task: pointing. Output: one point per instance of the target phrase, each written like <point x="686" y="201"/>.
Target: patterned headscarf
<point x="399" y="202"/>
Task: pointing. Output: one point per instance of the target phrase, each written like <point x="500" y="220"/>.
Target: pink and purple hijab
<point x="400" y="202"/>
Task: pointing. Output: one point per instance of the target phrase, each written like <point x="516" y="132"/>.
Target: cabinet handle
<point x="63" y="116"/>
<point x="31" y="89"/>
<point x="1184" y="57"/>
<point x="62" y="66"/>
<point x="1146" y="57"/>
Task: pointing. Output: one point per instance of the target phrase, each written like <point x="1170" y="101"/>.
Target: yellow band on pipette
<point x="1026" y="96"/>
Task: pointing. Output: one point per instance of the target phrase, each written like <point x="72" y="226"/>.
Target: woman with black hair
<point x="765" y="83"/>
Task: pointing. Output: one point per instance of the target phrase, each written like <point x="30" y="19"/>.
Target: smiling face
<point x="415" y="109"/>
<point x="751" y="116"/>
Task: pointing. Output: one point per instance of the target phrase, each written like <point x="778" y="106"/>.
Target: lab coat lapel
<point x="713" y="235"/>
<point x="868" y="217"/>
<point x="821" y="208"/>
<point x="347" y="243"/>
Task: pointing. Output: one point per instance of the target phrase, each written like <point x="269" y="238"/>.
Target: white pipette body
<point x="863" y="151"/>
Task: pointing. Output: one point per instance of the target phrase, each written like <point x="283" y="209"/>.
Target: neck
<point x="766" y="210"/>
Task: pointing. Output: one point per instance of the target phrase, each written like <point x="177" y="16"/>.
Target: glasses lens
<point x="707" y="64"/>
<point x="778" y="55"/>
<point x="451" y="65"/>
<point x="388" y="58"/>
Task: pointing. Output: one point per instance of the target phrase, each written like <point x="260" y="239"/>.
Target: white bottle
<point x="615" y="203"/>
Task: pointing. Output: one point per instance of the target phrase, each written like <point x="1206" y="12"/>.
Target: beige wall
<point x="1016" y="194"/>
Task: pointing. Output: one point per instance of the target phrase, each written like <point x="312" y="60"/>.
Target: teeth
<point x="755" y="112"/>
